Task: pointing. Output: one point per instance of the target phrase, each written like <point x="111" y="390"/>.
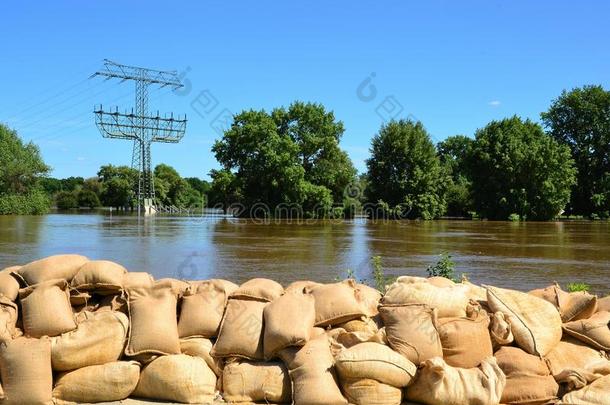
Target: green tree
<point x="516" y="168"/>
<point x="224" y="190"/>
<point x="172" y="189"/>
<point x="118" y="185"/>
<point x="404" y="172"/>
<point x="21" y="169"/>
<point x="452" y="153"/>
<point x="87" y="198"/>
<point x="66" y="200"/>
<point x="579" y="119"/>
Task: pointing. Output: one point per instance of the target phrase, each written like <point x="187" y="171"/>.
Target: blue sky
<point x="453" y="65"/>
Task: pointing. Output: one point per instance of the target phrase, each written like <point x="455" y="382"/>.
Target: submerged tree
<point x="452" y="153"/>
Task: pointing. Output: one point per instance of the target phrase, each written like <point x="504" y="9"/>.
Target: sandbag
<point x="25" y="369"/>
<point x="440" y="384"/>
<point x="571" y="306"/>
<point x="8" y="318"/>
<point x="528" y="379"/>
<point x="201" y="347"/>
<point x="178" y="287"/>
<point x="370" y="392"/>
<point x="594" y="331"/>
<point x="466" y="342"/>
<point x="312" y="373"/>
<point x="597" y="393"/>
<point x="603" y="304"/>
<point x="370" y="299"/>
<point x="535" y="323"/>
<point x="107" y="382"/>
<point x="103" y="276"/>
<point x="449" y="301"/>
<point x="259" y="289"/>
<point x="300" y="285"/>
<point x="241" y="330"/>
<point x="98" y="339"/>
<point x="411" y="331"/>
<point x="152" y="317"/>
<point x="137" y="279"/>
<point x="364" y="324"/>
<point x="571" y="353"/>
<point x="377" y="362"/>
<point x="202" y="308"/>
<point x="575" y="379"/>
<point x="288" y="322"/>
<point x="500" y="330"/>
<point x="338" y="302"/>
<point x="9" y="286"/>
<point x="52" y="268"/>
<point x="245" y="381"/>
<point x="179" y="378"/>
<point x="46" y="309"/>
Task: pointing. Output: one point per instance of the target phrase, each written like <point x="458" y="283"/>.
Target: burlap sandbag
<point x="9" y="286"/>
<point x="300" y="285"/>
<point x="437" y="383"/>
<point x="178" y="287"/>
<point x="107" y="382"/>
<point x="152" y="318"/>
<point x="377" y="362"/>
<point x="435" y="281"/>
<point x="370" y="392"/>
<point x="594" y="331"/>
<point x="178" y="378"/>
<point x="500" y="330"/>
<point x="571" y="306"/>
<point x="25" y="369"/>
<point x="137" y="279"/>
<point x="241" y="330"/>
<point x="411" y="331"/>
<point x="449" y="301"/>
<point x="99" y="338"/>
<point x="370" y="299"/>
<point x="259" y="289"/>
<point x="528" y="379"/>
<point x="535" y="323"/>
<point x="598" y="393"/>
<point x="571" y="353"/>
<point x="51" y="268"/>
<point x="46" y="309"/>
<point x="288" y="322"/>
<point x="8" y="318"/>
<point x="201" y="347"/>
<point x="364" y="324"/>
<point x="246" y="381"/>
<point x="603" y="304"/>
<point x="103" y="276"/>
<point x="466" y="342"/>
<point x="202" y="308"/>
<point x="338" y="302"/>
<point x="311" y="370"/>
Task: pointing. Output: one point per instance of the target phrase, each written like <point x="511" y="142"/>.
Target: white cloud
<point x="80" y="158"/>
<point x="494" y="103"/>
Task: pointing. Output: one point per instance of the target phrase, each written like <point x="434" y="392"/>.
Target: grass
<point x="576" y="287"/>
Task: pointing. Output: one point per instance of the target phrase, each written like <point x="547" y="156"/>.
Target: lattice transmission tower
<point x="137" y="125"/>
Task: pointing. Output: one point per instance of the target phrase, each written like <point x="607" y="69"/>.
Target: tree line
<point x="289" y="161"/>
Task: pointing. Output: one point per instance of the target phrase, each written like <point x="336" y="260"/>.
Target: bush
<point x="87" y="198"/>
<point x="445" y="267"/>
<point x="66" y="200"/>
<point x="574" y="287"/>
<point x="514" y="217"/>
<point x="34" y="203"/>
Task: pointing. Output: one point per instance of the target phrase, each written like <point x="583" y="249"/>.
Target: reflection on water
<point x="521" y="255"/>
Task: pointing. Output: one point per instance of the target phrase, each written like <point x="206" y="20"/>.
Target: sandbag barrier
<point x="75" y="330"/>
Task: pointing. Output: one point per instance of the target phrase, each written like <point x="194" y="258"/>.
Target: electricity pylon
<point x="138" y="126"/>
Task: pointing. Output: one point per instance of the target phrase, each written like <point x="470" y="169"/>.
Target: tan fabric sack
<point x="108" y="382"/>
<point x="311" y="370"/>
<point x="98" y="339"/>
<point x="202" y="308"/>
<point x="598" y="393"/>
<point x="299" y="286"/>
<point x="153" y="323"/>
<point x="245" y="381"/>
<point x="449" y="301"/>
<point x="241" y="330"/>
<point x="9" y="286"/>
<point x="364" y="324"/>
<point x="201" y="347"/>
<point x="411" y="331"/>
<point x="603" y="304"/>
<point x="8" y="318"/>
<point x="137" y="279"/>
<point x="377" y="362"/>
<point x="571" y="306"/>
<point x="466" y="342"/>
<point x="571" y="353"/>
<point x="46" y="309"/>
<point x="594" y="331"/>
<point x="259" y="289"/>
<point x="51" y="268"/>
<point x="535" y="323"/>
<point x="500" y="330"/>
<point x="370" y="392"/>
<point x="103" y="276"/>
<point x="338" y="302"/>
<point x="288" y="322"/>
<point x="178" y="378"/>
<point x="440" y="384"/>
<point x="528" y="379"/>
<point x="25" y="369"/>
<point x="370" y="299"/>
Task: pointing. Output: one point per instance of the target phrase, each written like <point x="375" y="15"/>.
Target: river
<point x="516" y="255"/>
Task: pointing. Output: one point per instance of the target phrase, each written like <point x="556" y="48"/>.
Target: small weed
<point x="574" y="287"/>
<point x="445" y="267"/>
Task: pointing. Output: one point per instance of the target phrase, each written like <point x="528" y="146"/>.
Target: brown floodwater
<point x="515" y="255"/>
